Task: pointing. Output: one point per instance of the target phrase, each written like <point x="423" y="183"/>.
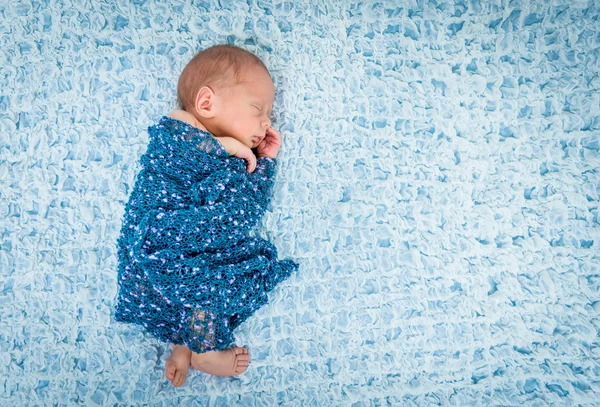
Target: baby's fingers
<point x="246" y="154"/>
<point x="273" y="133"/>
<point x="251" y="163"/>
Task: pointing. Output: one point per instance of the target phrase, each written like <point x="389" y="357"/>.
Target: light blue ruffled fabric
<point x="438" y="182"/>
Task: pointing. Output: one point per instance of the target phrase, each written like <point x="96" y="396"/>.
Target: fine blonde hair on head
<point x="217" y="66"/>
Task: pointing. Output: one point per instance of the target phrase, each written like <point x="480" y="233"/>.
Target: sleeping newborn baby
<point x="189" y="273"/>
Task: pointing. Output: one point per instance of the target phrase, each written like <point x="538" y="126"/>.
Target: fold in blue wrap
<point x="189" y="272"/>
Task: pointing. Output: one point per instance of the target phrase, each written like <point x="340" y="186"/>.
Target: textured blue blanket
<point x="189" y="272"/>
<point x="438" y="181"/>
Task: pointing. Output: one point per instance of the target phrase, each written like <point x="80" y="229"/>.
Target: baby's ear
<point x="204" y="103"/>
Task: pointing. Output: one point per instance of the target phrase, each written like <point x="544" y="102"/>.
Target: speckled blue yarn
<point x="189" y="272"/>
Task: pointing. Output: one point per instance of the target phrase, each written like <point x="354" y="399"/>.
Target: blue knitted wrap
<point x="189" y="272"/>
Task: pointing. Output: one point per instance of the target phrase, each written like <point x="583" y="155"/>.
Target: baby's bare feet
<point x="228" y="362"/>
<point x="176" y="367"/>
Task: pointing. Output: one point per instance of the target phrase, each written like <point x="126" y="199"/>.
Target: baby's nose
<point x="266" y="124"/>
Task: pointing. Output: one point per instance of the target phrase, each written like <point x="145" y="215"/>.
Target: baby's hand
<point x="237" y="149"/>
<point x="269" y="147"/>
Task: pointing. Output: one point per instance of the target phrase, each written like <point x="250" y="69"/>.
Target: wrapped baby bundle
<point x="189" y="272"/>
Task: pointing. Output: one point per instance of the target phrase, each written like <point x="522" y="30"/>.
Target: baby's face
<point x="244" y="109"/>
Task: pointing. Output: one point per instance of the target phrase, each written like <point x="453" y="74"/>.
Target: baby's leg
<point x="176" y="367"/>
<point x="228" y="362"/>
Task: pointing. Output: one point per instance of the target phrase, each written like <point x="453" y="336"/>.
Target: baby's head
<point x="229" y="91"/>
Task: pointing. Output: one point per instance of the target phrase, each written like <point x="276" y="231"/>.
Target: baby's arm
<point x="233" y="146"/>
<point x="237" y="149"/>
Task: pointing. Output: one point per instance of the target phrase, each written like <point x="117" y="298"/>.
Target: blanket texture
<point x="438" y="181"/>
<point x="189" y="272"/>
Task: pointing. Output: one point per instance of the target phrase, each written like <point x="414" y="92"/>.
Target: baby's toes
<point x="242" y="354"/>
<point x="239" y="369"/>
<point x="170" y="371"/>
<point x="242" y="363"/>
<point x="179" y="379"/>
<point x="242" y="357"/>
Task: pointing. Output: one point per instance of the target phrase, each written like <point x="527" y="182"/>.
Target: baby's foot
<point x="176" y="367"/>
<point x="228" y="362"/>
